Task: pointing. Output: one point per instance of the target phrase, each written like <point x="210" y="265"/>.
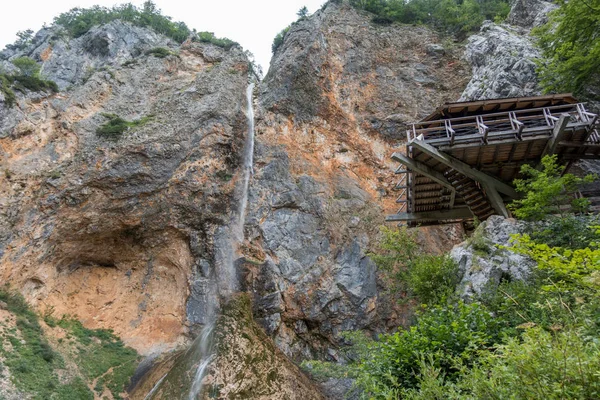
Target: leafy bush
<point x="28" y="79"/>
<point x="116" y="126"/>
<point x="209" y="37"/>
<point x="28" y="66"/>
<point x="159" y="52"/>
<point x="9" y="95"/>
<point x="78" y="21"/>
<point x="456" y="17"/>
<point x="430" y="278"/>
<point x="278" y="40"/>
<point x="570" y="47"/>
<point x="540" y="365"/>
<point x="447" y="333"/>
<point x="24" y="40"/>
<point x="548" y="191"/>
<point x="570" y="231"/>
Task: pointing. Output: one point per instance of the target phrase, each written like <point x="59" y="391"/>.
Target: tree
<point x="27" y="66"/>
<point x="302" y="13"/>
<point x="548" y="191"/>
<point x="570" y="44"/>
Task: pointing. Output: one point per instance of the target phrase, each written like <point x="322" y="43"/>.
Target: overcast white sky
<point x="252" y="23"/>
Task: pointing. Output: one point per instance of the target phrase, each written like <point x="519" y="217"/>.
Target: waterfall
<point x="226" y="242"/>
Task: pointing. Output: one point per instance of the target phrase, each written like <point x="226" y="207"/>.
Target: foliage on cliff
<point x="60" y="358"/>
<point x="78" y="21"/>
<point x="452" y="16"/>
<point x="527" y="339"/>
<point x="571" y="47"/>
<point x="28" y="78"/>
<point x="409" y="271"/>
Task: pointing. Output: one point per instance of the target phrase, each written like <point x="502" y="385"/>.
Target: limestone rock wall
<point x="333" y="107"/>
<point x="114" y="231"/>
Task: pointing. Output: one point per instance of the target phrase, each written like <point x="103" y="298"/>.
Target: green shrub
<point x="28" y="79"/>
<point x="406" y="269"/>
<point x="24" y="39"/>
<point x="28" y="66"/>
<point x="78" y="21"/>
<point x="159" y="52"/>
<point x="450" y="334"/>
<point x="570" y="231"/>
<point x="432" y="278"/>
<point x="278" y="40"/>
<point x="457" y="17"/>
<point x="541" y="365"/>
<point x="9" y="95"/>
<point x="116" y="126"/>
<point x="209" y="37"/>
<point x="33" y="83"/>
<point x="548" y="191"/>
<point x="570" y="48"/>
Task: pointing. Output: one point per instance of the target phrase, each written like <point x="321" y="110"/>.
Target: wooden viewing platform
<point x="460" y="162"/>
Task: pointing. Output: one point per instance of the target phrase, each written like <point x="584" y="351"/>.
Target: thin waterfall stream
<point x="227" y="241"/>
<point x="185" y="379"/>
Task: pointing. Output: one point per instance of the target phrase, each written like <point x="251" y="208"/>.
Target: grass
<point x="116" y="126"/>
<point x="34" y="363"/>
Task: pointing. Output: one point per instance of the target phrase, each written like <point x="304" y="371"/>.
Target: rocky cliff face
<point x="120" y="233"/>
<point x="332" y="108"/>
<point x="113" y="231"/>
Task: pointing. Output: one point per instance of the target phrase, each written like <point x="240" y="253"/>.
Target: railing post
<point x="516" y="124"/>
<point x="483" y="129"/>
<point x="449" y="131"/>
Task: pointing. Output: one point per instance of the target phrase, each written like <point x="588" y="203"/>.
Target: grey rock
<point x="435" y="50"/>
<point x="484" y="265"/>
<point x="67" y="61"/>
<point x="340" y="388"/>
<point x="503" y="62"/>
<point x="530" y="13"/>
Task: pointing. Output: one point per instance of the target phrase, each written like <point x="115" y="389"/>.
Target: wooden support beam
<point x="464" y="168"/>
<point x="558" y="134"/>
<point x="426" y="171"/>
<point x="456" y="213"/>
<point x="496" y="201"/>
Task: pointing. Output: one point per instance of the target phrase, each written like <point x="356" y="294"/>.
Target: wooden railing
<point x="480" y="127"/>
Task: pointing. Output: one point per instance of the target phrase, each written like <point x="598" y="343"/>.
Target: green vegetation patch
<point x="456" y="17"/>
<point x="209" y="37"/>
<point x="116" y="126"/>
<point x="79" y="21"/>
<point x="159" y="52"/>
<point x="35" y="365"/>
<point x="5" y="88"/>
<point x="28" y="78"/>
<point x="278" y="40"/>
<point x="571" y="49"/>
<point x="408" y="270"/>
<point x="99" y="352"/>
<point x="536" y="338"/>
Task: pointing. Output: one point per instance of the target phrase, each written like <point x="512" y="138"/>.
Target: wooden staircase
<point x="472" y="193"/>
